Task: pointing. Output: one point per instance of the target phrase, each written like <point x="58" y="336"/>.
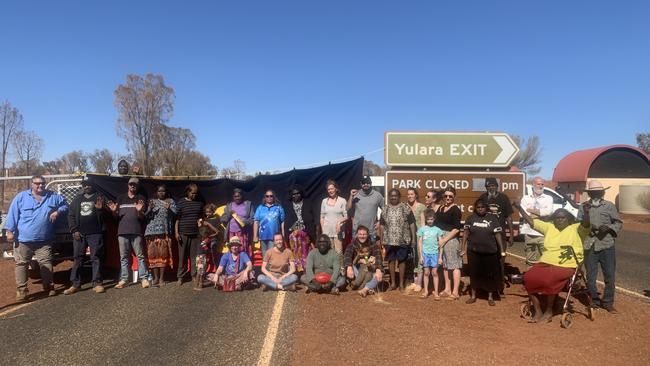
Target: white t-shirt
<point x="544" y="203"/>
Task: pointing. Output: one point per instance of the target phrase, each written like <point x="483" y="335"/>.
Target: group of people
<point x="302" y="245"/>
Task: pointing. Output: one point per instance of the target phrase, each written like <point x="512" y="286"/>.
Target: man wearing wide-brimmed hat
<point x="599" y="245"/>
<point x="234" y="266"/>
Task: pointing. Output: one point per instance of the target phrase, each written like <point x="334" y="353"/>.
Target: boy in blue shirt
<point x="428" y="236"/>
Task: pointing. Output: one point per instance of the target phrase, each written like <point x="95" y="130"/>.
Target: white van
<point x="559" y="200"/>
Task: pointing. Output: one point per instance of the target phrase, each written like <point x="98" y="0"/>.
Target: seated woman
<point x="235" y="267"/>
<point x="556" y="265"/>
<point x="278" y="270"/>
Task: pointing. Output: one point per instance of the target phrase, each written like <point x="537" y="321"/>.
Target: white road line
<point x="11" y="310"/>
<point x="620" y="289"/>
<point x="271" y="331"/>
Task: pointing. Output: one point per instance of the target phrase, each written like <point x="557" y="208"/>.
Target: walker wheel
<point x="526" y="311"/>
<point x="567" y="320"/>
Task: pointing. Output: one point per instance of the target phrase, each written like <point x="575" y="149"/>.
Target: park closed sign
<point x="449" y="149"/>
<point x="469" y="186"/>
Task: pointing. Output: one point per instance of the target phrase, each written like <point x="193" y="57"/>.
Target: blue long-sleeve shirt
<point x="29" y="219"/>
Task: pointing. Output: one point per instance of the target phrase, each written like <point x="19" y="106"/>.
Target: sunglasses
<point x="133" y="184"/>
<point x="268" y="196"/>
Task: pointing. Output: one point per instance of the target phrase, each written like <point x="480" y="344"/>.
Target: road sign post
<point x="449" y="149"/>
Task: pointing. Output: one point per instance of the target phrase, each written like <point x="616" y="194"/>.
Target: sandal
<point x="436" y="297"/>
<point x="424" y="296"/>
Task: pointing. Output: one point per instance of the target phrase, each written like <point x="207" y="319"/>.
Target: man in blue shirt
<point x="30" y="221"/>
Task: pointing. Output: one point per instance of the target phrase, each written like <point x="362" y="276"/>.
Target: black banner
<point x="219" y="191"/>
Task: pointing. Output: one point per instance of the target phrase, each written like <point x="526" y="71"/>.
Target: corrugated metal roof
<point x="575" y="166"/>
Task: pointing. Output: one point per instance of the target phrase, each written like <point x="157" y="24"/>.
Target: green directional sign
<point x="450" y="149"/>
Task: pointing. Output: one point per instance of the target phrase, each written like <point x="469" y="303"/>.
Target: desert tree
<point x="178" y="143"/>
<point x="102" y="161"/>
<point x="74" y="161"/>
<point x="236" y="171"/>
<point x="29" y="149"/>
<point x="199" y="165"/>
<point x="11" y="121"/>
<point x="643" y="141"/>
<point x="144" y="106"/>
<point x="528" y="158"/>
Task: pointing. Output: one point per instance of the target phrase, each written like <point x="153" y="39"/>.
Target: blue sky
<point x="280" y="84"/>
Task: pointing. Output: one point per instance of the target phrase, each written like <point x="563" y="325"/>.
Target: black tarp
<point x="219" y="191"/>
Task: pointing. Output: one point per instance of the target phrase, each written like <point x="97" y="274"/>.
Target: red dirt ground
<point x="403" y="329"/>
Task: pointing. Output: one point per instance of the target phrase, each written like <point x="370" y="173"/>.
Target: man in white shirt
<point x="536" y="205"/>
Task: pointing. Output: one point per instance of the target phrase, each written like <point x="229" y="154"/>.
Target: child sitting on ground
<point x="428" y="236"/>
<point x="367" y="266"/>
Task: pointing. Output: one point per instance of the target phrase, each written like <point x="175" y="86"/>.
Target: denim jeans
<point x="289" y="280"/>
<point x="126" y="242"/>
<point x="96" y="244"/>
<point x="372" y="284"/>
<point x="266" y="245"/>
<point x="607" y="260"/>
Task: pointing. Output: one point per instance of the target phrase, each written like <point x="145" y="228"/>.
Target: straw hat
<point x="234" y="241"/>
<point x="594" y="185"/>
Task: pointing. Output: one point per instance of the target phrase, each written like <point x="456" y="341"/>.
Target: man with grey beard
<point x="537" y="205"/>
<point x="500" y="206"/>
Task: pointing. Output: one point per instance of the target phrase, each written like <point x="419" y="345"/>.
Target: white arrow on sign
<point x="508" y="149"/>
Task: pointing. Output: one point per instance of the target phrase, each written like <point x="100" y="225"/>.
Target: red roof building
<point x="613" y="165"/>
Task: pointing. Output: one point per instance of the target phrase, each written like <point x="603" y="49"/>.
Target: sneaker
<point x="70" y="290"/>
<point x="21" y="295"/>
<point x="50" y="291"/>
<point x="145" y="283"/>
<point x="99" y="289"/>
<point x="7" y="255"/>
<point x="121" y="284"/>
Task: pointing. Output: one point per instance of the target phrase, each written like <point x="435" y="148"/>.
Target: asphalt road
<point x="156" y="326"/>
<point x="632" y="261"/>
